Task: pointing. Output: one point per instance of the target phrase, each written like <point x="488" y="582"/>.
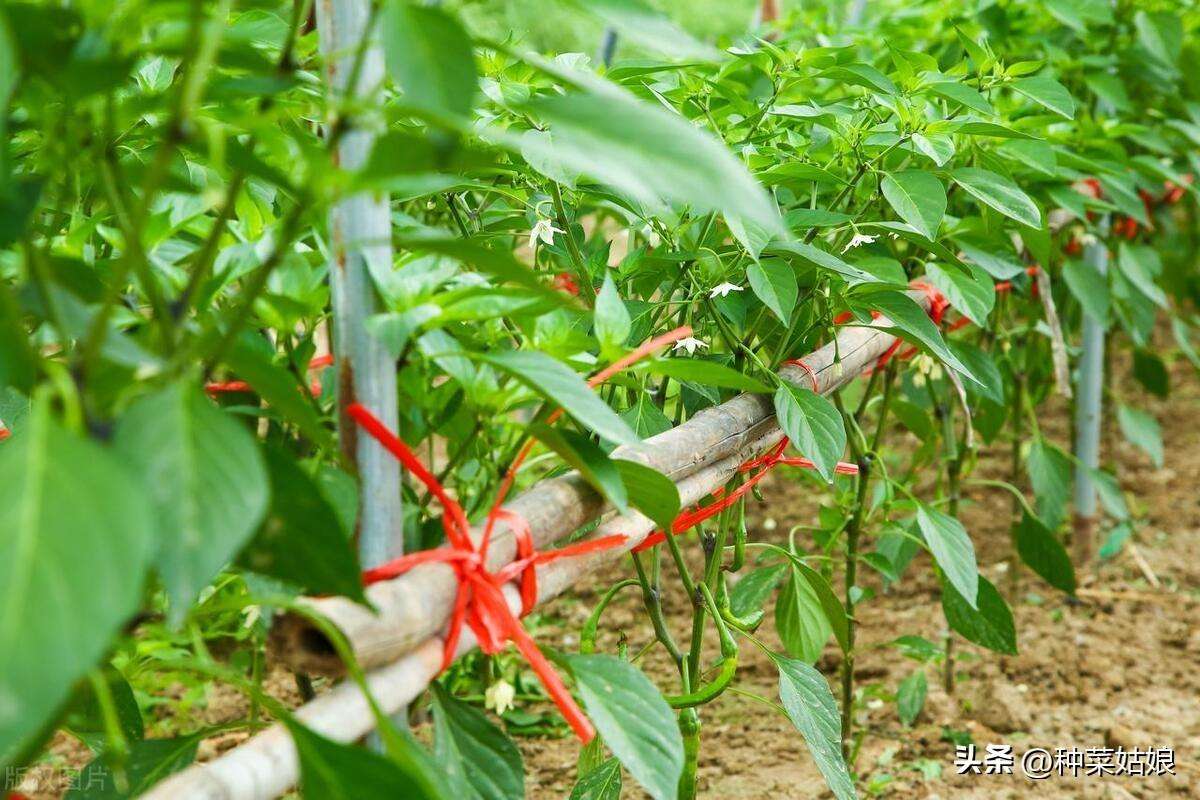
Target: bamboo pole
<point x="410" y="609"/>
<point x="266" y="765"/>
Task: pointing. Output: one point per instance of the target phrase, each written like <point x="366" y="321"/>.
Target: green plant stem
<point x="853" y="531"/>
<point x="652" y="600"/>
<point x="689" y="727"/>
<point x="580" y="266"/>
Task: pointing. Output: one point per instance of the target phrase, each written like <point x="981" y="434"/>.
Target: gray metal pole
<point x="1088" y="407"/>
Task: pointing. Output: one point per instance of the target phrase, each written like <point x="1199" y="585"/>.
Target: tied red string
<point x="225" y="387"/>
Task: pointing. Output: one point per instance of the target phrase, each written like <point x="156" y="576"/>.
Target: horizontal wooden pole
<point x="415" y="606"/>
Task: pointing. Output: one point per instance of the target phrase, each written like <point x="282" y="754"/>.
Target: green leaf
<point x="1046" y="91"/>
<point x="813" y="424"/>
<point x="653" y="156"/>
<point x="1151" y="372"/>
<point x="953" y="550"/>
<point x="303" y="540"/>
<point x="1050" y="474"/>
<point x="601" y="783"/>
<point x="835" y="612"/>
<point x="990" y="625"/>
<point x="910" y="697"/>
<point x="810" y="705"/>
<point x="634" y="720"/>
<point x="1089" y="287"/>
<point x="586" y="456"/>
<point x="1140" y="265"/>
<point x="707" y="373"/>
<point x="819" y="258"/>
<point x="148" y="762"/>
<point x="645" y="418"/>
<point x="73" y="554"/>
<point x="556" y="382"/>
<point x="918" y="197"/>
<point x="1043" y="553"/>
<point x="18" y="361"/>
<point x="800" y="620"/>
<point x="650" y="492"/>
<point x="963" y="95"/>
<point x="1000" y="193"/>
<point x="775" y="284"/>
<point x="638" y="22"/>
<point x="750" y="594"/>
<point x="612" y="320"/>
<point x="279" y="388"/>
<point x="983" y="366"/>
<point x="910" y="319"/>
<point x="429" y="56"/>
<point x="86" y="721"/>
<point x="335" y="771"/>
<point x="463" y="736"/>
<point x="1161" y="35"/>
<point x="1111" y="496"/>
<point x="1142" y="431"/>
<point x="205" y="480"/>
<point x="968" y="288"/>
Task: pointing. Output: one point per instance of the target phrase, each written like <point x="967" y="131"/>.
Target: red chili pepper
<point x="565" y="283"/>
<point x="1073" y="247"/>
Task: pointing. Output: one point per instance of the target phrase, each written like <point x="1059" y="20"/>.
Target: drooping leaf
<point x="205" y="480"/>
<point x="918" y="197"/>
<point x="982" y="366"/>
<point x="634" y="719"/>
<point x="585" y="456"/>
<point x="75" y="546"/>
<point x="1050" y="474"/>
<point x="800" y="620"/>
<point x="149" y="761"/>
<point x="613" y="322"/>
<point x="810" y="705"/>
<point x="1043" y="553"/>
<point x="775" y="284"/>
<point x="650" y="492"/>
<point x="302" y="541"/>
<point x="1140" y="265"/>
<point x="912" y="320"/>
<point x="835" y="612"/>
<point x="990" y="625"/>
<point x="490" y="763"/>
<point x="910" y="696"/>
<point x="810" y="254"/>
<point x="429" y="56"/>
<point x="1089" y="288"/>
<point x="278" y="388"/>
<point x="708" y="373"/>
<point x="555" y="381"/>
<point x="953" y="550"/>
<point x="1000" y="193"/>
<point x="813" y="424"/>
<point x="969" y="289"/>
<point x="1142" y="431"/>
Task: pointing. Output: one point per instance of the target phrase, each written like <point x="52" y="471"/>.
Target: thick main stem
<point x="1088" y="403"/>
<point x="853" y="530"/>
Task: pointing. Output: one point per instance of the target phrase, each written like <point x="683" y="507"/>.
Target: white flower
<point x="1087" y="239"/>
<point x="543" y="230"/>
<point x="857" y="239"/>
<point x="500" y="696"/>
<point x="723" y="289"/>
<point x="652" y="237"/>
<point x="690" y="344"/>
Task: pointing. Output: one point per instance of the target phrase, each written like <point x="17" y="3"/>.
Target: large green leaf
<point x="775" y="284"/>
<point x="918" y="197"/>
<point x="953" y="550"/>
<point x="634" y="720"/>
<point x="810" y="705"/>
<point x="1043" y="553"/>
<point x="968" y="288"/>
<point x="1000" y="193"/>
<point x="74" y="547"/>
<point x="279" y="388"/>
<point x="303" y="540"/>
<point x="148" y="762"/>
<point x="205" y="483"/>
<point x="1140" y="265"/>
<point x="553" y="380"/>
<point x="1050" y="474"/>
<point x="586" y="456"/>
<point x="910" y="319"/>
<point x="601" y="783"/>
<point x="612" y="320"/>
<point x="465" y="738"/>
<point x="334" y="771"/>
<point x="990" y="625"/>
<point x="429" y="56"/>
<point x="800" y="620"/>
<point x="1141" y="430"/>
<point x="1046" y="91"/>
<point x="811" y="254"/>
<point x="1089" y="287"/>
<point x="653" y="156"/>
<point x="706" y="373"/>
<point x="650" y="492"/>
<point x="835" y="612"/>
<point x="813" y="424"/>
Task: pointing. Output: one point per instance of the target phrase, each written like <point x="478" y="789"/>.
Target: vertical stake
<point x="1088" y="404"/>
<point x="360" y="236"/>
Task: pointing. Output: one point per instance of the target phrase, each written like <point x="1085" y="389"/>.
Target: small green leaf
<point x="963" y="95"/>
<point x="645" y="418"/>
<point x="601" y="783"/>
<point x="556" y="382"/>
<point x="148" y="762"/>
<point x="1142" y="431"/>
<point x="1050" y="474"/>
<point x="813" y="424"/>
<point x="1000" y="193"/>
<point x="990" y="625"/>
<point x="953" y="550"/>
<point x="490" y="763"/>
<point x="613" y="322"/>
<point x="775" y="284"/>
<point x="1046" y="91"/>
<point x="1140" y="265"/>
<point x="650" y="492"/>
<point x="1089" y="287"/>
<point x="810" y="705"/>
<point x="800" y="620"/>
<point x="633" y="718"/>
<point x="910" y="697"/>
<point x="918" y="197"/>
<point x="429" y="56"/>
<point x="1043" y="553"/>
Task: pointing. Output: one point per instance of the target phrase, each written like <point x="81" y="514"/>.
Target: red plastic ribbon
<point x="796" y="362"/>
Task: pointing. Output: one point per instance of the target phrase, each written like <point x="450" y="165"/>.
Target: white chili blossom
<point x="690" y="344"/>
<point x="722" y="289"/>
<point x="652" y="237"/>
<point x="1087" y="239"/>
<point x="500" y="696"/>
<point x="543" y="230"/>
<point x="857" y="239"/>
